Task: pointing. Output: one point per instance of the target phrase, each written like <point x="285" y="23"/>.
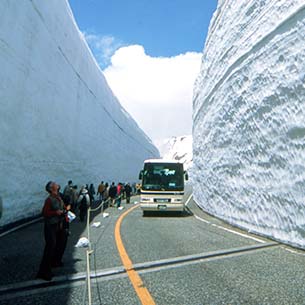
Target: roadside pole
<point x="89" y="251"/>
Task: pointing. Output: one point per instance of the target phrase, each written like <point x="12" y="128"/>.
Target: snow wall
<point x="249" y="118"/>
<point x="59" y="120"/>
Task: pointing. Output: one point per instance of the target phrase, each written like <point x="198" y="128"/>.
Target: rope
<point x="90" y="210"/>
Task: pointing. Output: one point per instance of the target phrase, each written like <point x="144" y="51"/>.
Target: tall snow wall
<point x="249" y="118"/>
<point x="59" y="119"/>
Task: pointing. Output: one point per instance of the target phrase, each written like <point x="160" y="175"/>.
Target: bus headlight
<point x="145" y="199"/>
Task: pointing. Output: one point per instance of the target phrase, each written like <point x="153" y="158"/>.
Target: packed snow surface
<point x="59" y="119"/>
<point x="249" y="118"/>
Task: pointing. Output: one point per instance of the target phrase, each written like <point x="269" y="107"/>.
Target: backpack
<point x="67" y="196"/>
<point x="84" y="201"/>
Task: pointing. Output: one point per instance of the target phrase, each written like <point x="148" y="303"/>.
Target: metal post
<point x="88" y="226"/>
<point x="88" y="252"/>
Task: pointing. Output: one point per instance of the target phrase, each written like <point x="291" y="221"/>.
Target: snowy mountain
<point x="178" y="148"/>
<point x="249" y="118"/>
<point x="59" y="119"/>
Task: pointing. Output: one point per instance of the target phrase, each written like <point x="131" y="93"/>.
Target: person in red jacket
<point x="55" y="234"/>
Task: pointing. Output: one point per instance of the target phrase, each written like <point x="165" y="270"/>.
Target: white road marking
<point x="201" y="219"/>
<point x="188" y="200"/>
<point x="229" y="230"/>
<point x="293" y="251"/>
<point x="240" y="234"/>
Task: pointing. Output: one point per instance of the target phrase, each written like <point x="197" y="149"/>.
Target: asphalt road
<point x="190" y="259"/>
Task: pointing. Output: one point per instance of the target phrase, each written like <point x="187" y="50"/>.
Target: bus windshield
<point x="163" y="177"/>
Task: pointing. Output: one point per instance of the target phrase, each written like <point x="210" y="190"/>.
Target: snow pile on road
<point x="249" y="118"/>
<point x="59" y="119"/>
<point x="178" y="148"/>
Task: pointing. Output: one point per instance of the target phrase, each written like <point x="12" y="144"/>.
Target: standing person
<point x="74" y="198"/>
<point x="134" y="190"/>
<point x="91" y="192"/>
<point x="67" y="194"/>
<point x="138" y="188"/>
<point x="119" y="194"/>
<point x="128" y="192"/>
<point x="54" y="232"/>
<point x="106" y="192"/>
<point x="83" y="203"/>
<point x="112" y="194"/>
<point x="101" y="190"/>
<point x="123" y="194"/>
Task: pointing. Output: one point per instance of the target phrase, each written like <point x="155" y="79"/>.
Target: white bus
<point x="162" y="185"/>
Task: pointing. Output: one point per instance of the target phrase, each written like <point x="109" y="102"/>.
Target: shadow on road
<point x="20" y="255"/>
<point x="167" y="214"/>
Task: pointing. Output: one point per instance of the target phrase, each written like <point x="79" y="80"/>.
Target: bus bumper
<point x="162" y="206"/>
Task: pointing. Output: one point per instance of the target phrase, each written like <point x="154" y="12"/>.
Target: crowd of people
<point x="80" y="200"/>
<point x="56" y="221"/>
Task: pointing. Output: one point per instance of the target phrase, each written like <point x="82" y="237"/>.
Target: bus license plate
<point x="162" y="207"/>
<point x="162" y="200"/>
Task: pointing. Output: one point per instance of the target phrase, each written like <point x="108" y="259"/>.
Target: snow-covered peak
<point x="178" y="148"/>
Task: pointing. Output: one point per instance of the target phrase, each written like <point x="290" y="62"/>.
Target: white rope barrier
<point x="89" y="251"/>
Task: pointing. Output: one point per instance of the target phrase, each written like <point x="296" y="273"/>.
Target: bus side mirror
<point x="141" y="175"/>
<point x="186" y="175"/>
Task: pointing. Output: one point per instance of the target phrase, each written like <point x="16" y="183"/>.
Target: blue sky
<point x="163" y="27"/>
<point x="150" y="52"/>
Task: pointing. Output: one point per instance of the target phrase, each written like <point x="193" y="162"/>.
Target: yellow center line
<point x="141" y="290"/>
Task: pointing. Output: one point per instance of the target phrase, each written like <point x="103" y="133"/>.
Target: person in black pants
<point x="55" y="233"/>
<point x="83" y="203"/>
<point x="128" y="192"/>
<point x="112" y="194"/>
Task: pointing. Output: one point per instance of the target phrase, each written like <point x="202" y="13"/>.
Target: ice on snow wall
<point x="249" y="118"/>
<point x="59" y="119"/>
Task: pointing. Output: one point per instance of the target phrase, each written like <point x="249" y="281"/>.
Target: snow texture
<point x="59" y="119"/>
<point x="178" y="148"/>
<point x="249" y="118"/>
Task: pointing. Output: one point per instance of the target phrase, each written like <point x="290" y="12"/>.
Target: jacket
<point x="52" y="205"/>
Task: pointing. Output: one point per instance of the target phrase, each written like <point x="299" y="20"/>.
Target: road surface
<point x="189" y="259"/>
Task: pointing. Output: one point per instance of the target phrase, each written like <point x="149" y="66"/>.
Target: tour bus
<point x="162" y="185"/>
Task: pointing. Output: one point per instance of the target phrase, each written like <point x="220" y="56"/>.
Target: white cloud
<point x="103" y="47"/>
<point x="156" y="91"/>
